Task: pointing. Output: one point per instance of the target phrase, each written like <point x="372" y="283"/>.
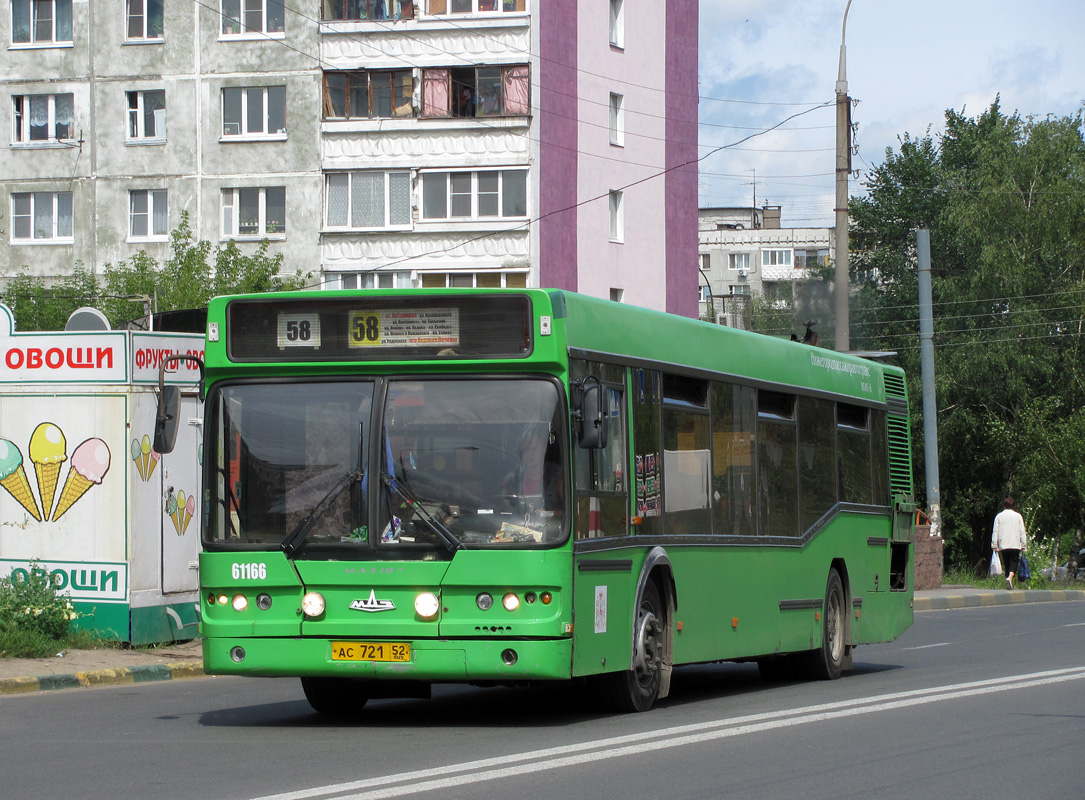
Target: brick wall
<point x="928" y="558"/>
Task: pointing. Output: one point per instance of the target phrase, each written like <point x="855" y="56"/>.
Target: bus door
<point x="605" y="573"/>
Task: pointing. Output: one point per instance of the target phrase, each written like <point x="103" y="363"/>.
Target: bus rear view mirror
<point x="165" y="423"/>
<point x="169" y="403"/>
<point x="590" y="415"/>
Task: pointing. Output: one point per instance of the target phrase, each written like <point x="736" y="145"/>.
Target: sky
<point x="762" y="61"/>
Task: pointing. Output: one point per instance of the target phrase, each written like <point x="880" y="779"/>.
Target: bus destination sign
<point x="299" y="330"/>
<point x="428" y="327"/>
<point x="384" y="327"/>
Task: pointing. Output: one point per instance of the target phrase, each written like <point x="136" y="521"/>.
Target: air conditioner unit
<point x="743" y="272"/>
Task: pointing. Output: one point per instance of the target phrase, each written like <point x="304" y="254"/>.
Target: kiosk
<point x="83" y="495"/>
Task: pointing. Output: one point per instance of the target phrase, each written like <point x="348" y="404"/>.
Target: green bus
<point x="408" y="487"/>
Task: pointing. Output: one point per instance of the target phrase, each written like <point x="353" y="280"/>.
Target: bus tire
<point x="827" y="662"/>
<point x="335" y="696"/>
<point x="637" y="689"/>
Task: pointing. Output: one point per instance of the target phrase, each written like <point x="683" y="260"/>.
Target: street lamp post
<point x="843" y="168"/>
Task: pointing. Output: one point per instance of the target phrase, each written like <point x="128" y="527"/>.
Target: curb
<point x="102" y="677"/>
<point x="1006" y="598"/>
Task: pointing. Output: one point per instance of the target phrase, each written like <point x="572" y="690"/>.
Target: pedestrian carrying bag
<point x="1023" y="572"/>
<point x="996" y="564"/>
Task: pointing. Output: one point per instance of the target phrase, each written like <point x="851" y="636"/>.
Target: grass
<point x="958" y="577"/>
<point x="18" y="642"/>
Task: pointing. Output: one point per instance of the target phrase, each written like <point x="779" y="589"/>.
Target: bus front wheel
<point x="336" y="696"/>
<point x="827" y="662"/>
<point x="637" y="689"/>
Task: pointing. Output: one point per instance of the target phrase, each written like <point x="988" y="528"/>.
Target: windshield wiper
<point x="435" y="525"/>
<point x="296" y="538"/>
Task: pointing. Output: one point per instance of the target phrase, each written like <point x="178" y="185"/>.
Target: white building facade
<point x="743" y="252"/>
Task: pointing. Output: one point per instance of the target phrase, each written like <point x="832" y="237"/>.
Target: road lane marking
<point x="517" y="764"/>
<point x="927" y="646"/>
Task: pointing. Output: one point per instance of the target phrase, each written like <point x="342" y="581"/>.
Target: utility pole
<point x="926" y="364"/>
<point x="843" y="169"/>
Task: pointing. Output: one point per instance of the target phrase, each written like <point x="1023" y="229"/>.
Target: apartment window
<point x="368" y="280"/>
<point x="475" y="91"/>
<point x="41" y="217"/>
<point x="617" y="217"/>
<point x="442" y="7"/>
<point x="148" y="214"/>
<point x="479" y="280"/>
<point x="775" y="258"/>
<point x="254" y="212"/>
<point x="147" y="114"/>
<point x="617" y="119"/>
<point x="366" y="9"/>
<point x="738" y="261"/>
<point x="805" y="259"/>
<point x="241" y="17"/>
<point x="474" y="195"/>
<point x="41" y="21"/>
<point x="617" y="23"/>
<point x="368" y="199"/>
<point x="704" y="293"/>
<point x="42" y="118"/>
<point x="364" y="95"/>
<point x="254" y="112"/>
<point x="144" y="19"/>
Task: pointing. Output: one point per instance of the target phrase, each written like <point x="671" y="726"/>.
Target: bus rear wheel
<point x="637" y="689"/>
<point x="827" y="662"/>
<point x="335" y="696"/>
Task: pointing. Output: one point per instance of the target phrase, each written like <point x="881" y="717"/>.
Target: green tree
<point x="38" y="307"/>
<point x="1003" y="199"/>
<point x="184" y="280"/>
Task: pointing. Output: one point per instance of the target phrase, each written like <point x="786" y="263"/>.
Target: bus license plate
<point x="371" y="651"/>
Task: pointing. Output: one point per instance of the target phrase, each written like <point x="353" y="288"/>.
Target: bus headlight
<point x="426" y="605"/>
<point x="312" y="605"/>
<point x="484" y="601"/>
<point x="510" y="601"/>
<point x="240" y="602"/>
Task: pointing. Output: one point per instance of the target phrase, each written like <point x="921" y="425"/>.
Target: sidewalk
<point x="969" y="597"/>
<point x="104" y="666"/>
<point x="110" y="666"/>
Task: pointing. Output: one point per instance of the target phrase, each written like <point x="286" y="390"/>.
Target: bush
<point x="29" y="604"/>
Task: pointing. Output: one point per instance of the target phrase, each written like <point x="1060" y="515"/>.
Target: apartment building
<point x="375" y="143"/>
<point x="745" y="252"/>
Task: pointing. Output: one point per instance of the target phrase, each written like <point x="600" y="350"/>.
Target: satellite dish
<point x="87" y="319"/>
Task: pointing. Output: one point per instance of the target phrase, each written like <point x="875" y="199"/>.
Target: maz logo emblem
<point x="372" y="604"/>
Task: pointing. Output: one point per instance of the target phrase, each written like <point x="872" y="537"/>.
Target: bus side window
<point x="602" y="482"/>
<point x="687" y="456"/>
<point x="647" y="400"/>
<point x="777" y="465"/>
<point x="734" y="418"/>
<point x="817" y="461"/>
<point x="853" y="445"/>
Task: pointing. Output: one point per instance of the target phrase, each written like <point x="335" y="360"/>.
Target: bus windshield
<point x="388" y="465"/>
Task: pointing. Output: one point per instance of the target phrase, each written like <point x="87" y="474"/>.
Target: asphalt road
<point x="969" y="703"/>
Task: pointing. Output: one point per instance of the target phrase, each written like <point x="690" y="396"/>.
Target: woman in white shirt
<point x="1008" y="539"/>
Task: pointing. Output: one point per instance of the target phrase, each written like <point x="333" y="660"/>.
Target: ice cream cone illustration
<point x="190" y="509"/>
<point x="153" y="463"/>
<point x="90" y="462"/>
<point x="48" y="451"/>
<point x="13" y="477"/>
<point x="179" y="513"/>
<point x="136" y="457"/>
<point x="145" y="454"/>
<point x="171" y="509"/>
